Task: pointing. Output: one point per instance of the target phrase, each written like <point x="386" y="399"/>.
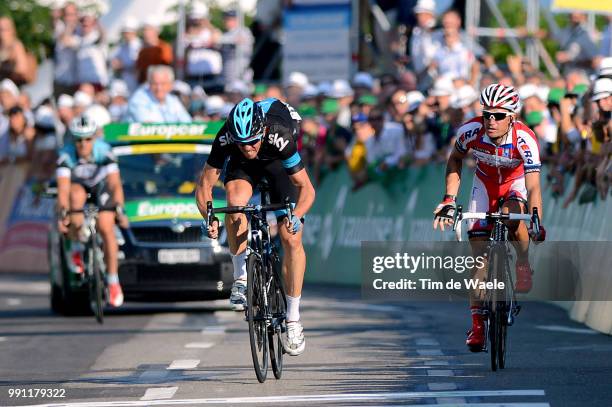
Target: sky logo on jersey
<point x="277" y="141"/>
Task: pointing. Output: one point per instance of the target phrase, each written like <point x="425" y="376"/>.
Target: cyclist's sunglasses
<point x="80" y="140"/>
<point x="496" y="115"/>
<point x="251" y="142"/>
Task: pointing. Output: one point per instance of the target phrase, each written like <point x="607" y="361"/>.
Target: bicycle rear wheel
<point x="96" y="283"/>
<point x="494" y="307"/>
<point x="278" y="304"/>
<point x="256" y="317"/>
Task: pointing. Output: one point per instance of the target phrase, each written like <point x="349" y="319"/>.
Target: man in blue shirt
<point x="154" y="103"/>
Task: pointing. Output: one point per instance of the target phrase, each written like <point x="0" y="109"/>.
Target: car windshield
<point x="163" y="175"/>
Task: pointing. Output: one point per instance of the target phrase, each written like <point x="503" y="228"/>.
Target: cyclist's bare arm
<point x="113" y="181"/>
<point x="63" y="193"/>
<point x="453" y="172"/>
<point x="209" y="177"/>
<point x="306" y="192"/>
<point x="534" y="194"/>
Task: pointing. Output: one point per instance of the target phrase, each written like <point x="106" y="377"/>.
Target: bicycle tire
<point x="493" y="307"/>
<point x="506" y="310"/>
<point x="256" y="317"/>
<point x="278" y="304"/>
<point x="96" y="283"/>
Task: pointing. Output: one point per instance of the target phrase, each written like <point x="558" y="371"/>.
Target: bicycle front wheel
<point x="278" y="304"/>
<point x="96" y="283"/>
<point x="257" y="316"/>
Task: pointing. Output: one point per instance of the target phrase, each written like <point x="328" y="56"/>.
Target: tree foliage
<point x="33" y="23"/>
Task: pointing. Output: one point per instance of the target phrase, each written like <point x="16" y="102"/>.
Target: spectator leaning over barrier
<point x="65" y="35"/>
<point x="154" y="102"/>
<point x="387" y="148"/>
<point x="92" y="53"/>
<point x="356" y="152"/>
<point x="154" y="51"/>
<point x="341" y="91"/>
<point x="602" y="134"/>
<point x="454" y="58"/>
<point x="15" y="63"/>
<point x="124" y="56"/>
<point x="17" y="141"/>
<point x="330" y="154"/>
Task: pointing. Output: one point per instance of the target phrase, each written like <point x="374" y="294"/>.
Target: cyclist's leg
<point x="518" y="235"/>
<point x="481" y="200"/>
<point x="106" y="229"/>
<point x="239" y="186"/>
<point x="78" y="197"/>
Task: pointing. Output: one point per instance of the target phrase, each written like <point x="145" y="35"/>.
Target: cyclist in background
<point x="88" y="167"/>
<point x="258" y="138"/>
<point x="508" y="167"/>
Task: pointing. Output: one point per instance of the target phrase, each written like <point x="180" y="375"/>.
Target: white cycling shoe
<point x="293" y="340"/>
<point x="238" y="298"/>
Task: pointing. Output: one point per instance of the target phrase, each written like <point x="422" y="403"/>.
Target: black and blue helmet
<point x="246" y="122"/>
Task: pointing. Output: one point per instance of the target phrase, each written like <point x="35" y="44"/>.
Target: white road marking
<point x="159" y="393"/>
<point x="199" y="345"/>
<point x="429" y="352"/>
<point x="568" y="329"/>
<point x="444" y="373"/>
<point x="317" y="398"/>
<point x="441" y="386"/>
<point x="352" y="306"/>
<point x="13" y="302"/>
<point x="30" y="287"/>
<point x="184" y="364"/>
<point x="427" y="342"/>
<point x="214" y="329"/>
<point x="3" y="338"/>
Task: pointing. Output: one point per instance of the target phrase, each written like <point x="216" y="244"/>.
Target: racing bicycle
<point x="500" y="305"/>
<point x="266" y="310"/>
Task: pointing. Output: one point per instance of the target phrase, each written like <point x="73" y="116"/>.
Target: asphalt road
<point x="357" y="354"/>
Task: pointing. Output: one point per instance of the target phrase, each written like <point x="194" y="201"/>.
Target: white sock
<point x="239" y="261"/>
<point x="112" y="278"/>
<point x="293" y="308"/>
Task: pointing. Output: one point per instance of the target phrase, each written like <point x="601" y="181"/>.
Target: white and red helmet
<point x="498" y="95"/>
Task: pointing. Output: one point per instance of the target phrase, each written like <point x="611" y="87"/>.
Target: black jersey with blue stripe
<point x="279" y="142"/>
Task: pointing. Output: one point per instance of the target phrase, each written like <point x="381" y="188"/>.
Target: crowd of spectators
<point x="377" y="126"/>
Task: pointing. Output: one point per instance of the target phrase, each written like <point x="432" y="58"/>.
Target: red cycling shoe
<point x="523" y="278"/>
<point x="476" y="336"/>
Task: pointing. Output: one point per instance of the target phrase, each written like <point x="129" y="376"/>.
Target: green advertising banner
<point x="147" y="132"/>
<point x="164" y="209"/>
<point x="401" y="208"/>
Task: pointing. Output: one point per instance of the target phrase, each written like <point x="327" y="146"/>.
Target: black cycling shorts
<point x="254" y="171"/>
<point x="98" y="195"/>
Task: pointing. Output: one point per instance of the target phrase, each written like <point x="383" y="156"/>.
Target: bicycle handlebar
<point x="210" y="211"/>
<point x="460" y="216"/>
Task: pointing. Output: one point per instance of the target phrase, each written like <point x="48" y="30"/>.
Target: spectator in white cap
<point x="9" y="94"/>
<point x="236" y="91"/>
<point x="310" y="94"/>
<point x="123" y="58"/>
<point x="420" y="143"/>
<point x="605" y="68"/>
<point x="464" y="99"/>
<point x="154" y="51"/>
<point x="294" y="86"/>
<point x="119" y="93"/>
<point x="155" y="103"/>
<point x="65" y="112"/>
<point x="45" y="143"/>
<point x="342" y="91"/>
<point x="91" y="54"/>
<point x="422" y="44"/>
<point x="442" y="93"/>
<point x="182" y="90"/>
<point x="82" y="101"/>
<point x="204" y="64"/>
<point x="602" y="94"/>
<point x="214" y="107"/>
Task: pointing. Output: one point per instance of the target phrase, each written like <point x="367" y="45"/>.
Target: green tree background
<point x="33" y="23"/>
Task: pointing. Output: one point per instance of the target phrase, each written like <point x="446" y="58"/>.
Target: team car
<point x="162" y="254"/>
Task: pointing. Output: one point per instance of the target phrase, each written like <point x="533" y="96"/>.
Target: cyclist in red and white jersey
<point x="508" y="167"/>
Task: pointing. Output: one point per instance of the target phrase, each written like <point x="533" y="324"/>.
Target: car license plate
<point x="175" y="256"/>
